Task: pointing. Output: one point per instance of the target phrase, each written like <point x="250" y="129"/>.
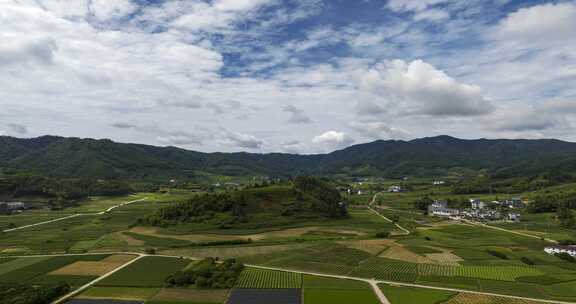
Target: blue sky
<point x="299" y="76"/>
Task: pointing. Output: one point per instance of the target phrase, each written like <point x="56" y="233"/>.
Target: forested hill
<point x="74" y="157"/>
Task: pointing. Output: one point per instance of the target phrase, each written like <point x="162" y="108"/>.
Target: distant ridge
<point x="75" y="157"/>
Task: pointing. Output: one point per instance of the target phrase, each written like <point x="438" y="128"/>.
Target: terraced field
<point x="257" y="278"/>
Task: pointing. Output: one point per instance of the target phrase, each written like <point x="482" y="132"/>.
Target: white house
<point x="440" y="208"/>
<point x="514" y="217"/>
<point x="439" y="182"/>
<point x="395" y="189"/>
<point x="555" y="249"/>
<point x="477" y="204"/>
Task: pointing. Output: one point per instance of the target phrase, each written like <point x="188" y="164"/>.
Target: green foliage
<point x="74" y="157"/>
<point x="527" y="261"/>
<point x="148" y="271"/>
<point x="26" y="294"/>
<point x="207" y="273"/>
<point x="423" y="203"/>
<point x="497" y="254"/>
<point x="382" y="235"/>
<point x="566" y="257"/>
<point x="308" y="197"/>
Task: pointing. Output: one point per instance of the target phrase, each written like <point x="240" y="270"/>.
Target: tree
<point x="423" y="203"/>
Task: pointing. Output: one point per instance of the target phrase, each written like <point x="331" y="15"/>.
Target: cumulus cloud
<point x="292" y="146"/>
<point x="180" y="138"/>
<point x="297" y="115"/>
<point x="333" y="140"/>
<point x="521" y="118"/>
<point x="418" y="88"/>
<point x="241" y="140"/>
<point x="379" y="130"/>
<point x="124" y="125"/>
<point x="18" y="50"/>
<point x="560" y="106"/>
<point x="550" y="22"/>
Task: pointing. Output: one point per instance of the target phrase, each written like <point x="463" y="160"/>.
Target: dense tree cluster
<point x="24" y="294"/>
<point x="208" y="273"/>
<point x="326" y="197"/>
<point x="60" y="189"/>
<point x="550" y="202"/>
<point x="306" y="197"/>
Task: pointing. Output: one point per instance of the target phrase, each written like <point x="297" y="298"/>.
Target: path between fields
<point x="404" y="230"/>
<point x="90" y="284"/>
<point x="373" y="282"/>
<point x="76" y="215"/>
<point x="507" y="230"/>
<point x="469" y="222"/>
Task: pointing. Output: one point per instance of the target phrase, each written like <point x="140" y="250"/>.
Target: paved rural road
<point x="404" y="230"/>
<point x="373" y="282"/>
<point x="76" y="215"/>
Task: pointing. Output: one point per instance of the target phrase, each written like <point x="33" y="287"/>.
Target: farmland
<point x="256" y="278"/>
<point x="436" y="253"/>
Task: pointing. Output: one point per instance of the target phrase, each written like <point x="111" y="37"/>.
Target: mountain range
<point x="76" y="157"/>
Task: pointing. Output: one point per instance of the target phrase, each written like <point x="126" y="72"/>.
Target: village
<point x="480" y="210"/>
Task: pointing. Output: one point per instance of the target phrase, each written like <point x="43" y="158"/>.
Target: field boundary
<point x="76" y="215"/>
<point x="369" y="281"/>
<point x="404" y="230"/>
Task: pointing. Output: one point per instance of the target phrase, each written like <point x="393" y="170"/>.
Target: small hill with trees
<point x="305" y="198"/>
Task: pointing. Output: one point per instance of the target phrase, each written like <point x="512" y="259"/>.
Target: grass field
<point x="39" y="270"/>
<point x="189" y="295"/>
<point x="339" y="296"/>
<point x="259" y="278"/>
<point x="402" y="295"/>
<point x="146" y="272"/>
<point x="119" y="293"/>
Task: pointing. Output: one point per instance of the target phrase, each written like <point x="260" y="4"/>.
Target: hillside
<point x="275" y="205"/>
<point x="74" y="157"/>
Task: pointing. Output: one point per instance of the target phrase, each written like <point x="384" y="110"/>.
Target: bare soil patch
<point x="370" y="246"/>
<point x="97" y="268"/>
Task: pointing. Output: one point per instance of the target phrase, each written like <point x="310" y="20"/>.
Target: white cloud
<point x="431" y="15"/>
<point x="180" y="138"/>
<point x="106" y="9"/>
<point x="546" y="23"/>
<point x="18" y="50"/>
<point x="418" y="88"/>
<point x="374" y="130"/>
<point x="412" y="5"/>
<point x="241" y="140"/>
<point x="333" y="140"/>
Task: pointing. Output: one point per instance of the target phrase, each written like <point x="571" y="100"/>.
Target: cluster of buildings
<point x="478" y="210"/>
<point x="11" y="207"/>
<point x="556" y="249"/>
<point x="396" y="189"/>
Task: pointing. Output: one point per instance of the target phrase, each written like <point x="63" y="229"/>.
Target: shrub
<point x="566" y="257"/>
<point x="497" y="254"/>
<point x="150" y="251"/>
<point x="566" y="242"/>
<point x="427" y="238"/>
<point x="527" y="261"/>
<point x="382" y="234"/>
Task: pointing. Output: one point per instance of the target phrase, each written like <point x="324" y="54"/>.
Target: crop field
<point x="38" y="270"/>
<point x="385" y="269"/>
<point x="339" y="296"/>
<point x="258" y="278"/>
<point x="317" y="282"/>
<point x="265" y="296"/>
<point x="469" y="298"/>
<point x="119" y="293"/>
<point x="401" y="295"/>
<point x="189" y="296"/>
<point x="93" y="268"/>
<point x="146" y="272"/>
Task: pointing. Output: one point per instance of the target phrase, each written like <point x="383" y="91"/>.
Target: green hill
<point x="253" y="208"/>
<point x="74" y="157"/>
